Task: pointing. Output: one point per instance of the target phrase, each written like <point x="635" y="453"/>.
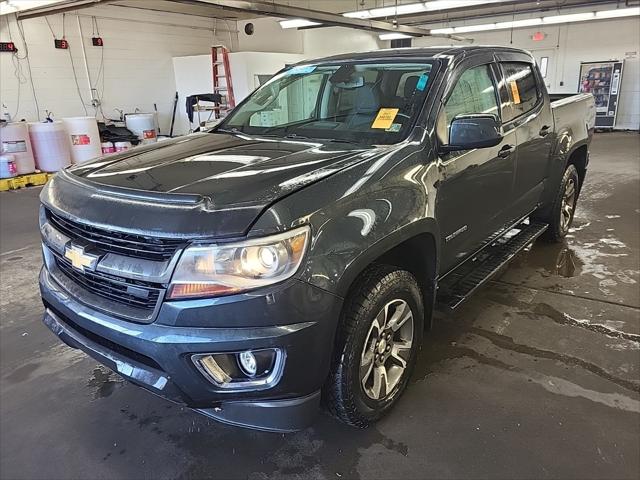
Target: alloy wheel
<point x="387" y="350"/>
<point x="568" y="205"/>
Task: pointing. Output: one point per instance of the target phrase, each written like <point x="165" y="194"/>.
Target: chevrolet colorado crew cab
<point x="293" y="254"/>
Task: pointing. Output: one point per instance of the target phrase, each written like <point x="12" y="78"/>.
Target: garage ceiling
<point x="329" y="12"/>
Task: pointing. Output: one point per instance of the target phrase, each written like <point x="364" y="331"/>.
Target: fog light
<point x="248" y="364"/>
<point x="244" y="370"/>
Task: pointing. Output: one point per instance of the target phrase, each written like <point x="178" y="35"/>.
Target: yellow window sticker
<point x="385" y="118"/>
<point x="515" y="93"/>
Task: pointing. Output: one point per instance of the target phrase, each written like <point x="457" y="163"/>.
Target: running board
<point x="457" y="286"/>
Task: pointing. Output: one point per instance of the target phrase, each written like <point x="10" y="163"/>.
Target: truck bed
<point x="575" y="114"/>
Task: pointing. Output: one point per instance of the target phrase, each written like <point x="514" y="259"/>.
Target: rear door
<point x="528" y="113"/>
<point x="476" y="185"/>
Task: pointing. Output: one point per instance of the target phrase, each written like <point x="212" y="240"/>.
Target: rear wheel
<point x="560" y="217"/>
<point x="377" y="345"/>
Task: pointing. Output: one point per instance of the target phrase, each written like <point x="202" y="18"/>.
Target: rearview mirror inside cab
<point x="473" y="131"/>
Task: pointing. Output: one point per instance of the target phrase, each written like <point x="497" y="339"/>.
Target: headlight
<point x="224" y="269"/>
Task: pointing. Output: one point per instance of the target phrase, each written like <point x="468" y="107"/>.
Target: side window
<point x="474" y="93"/>
<point x="522" y="87"/>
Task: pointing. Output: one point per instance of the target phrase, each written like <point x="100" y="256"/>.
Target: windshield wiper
<point x="342" y="140"/>
<point x="227" y="130"/>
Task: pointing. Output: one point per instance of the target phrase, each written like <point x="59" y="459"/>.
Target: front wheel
<point x="560" y="217"/>
<point x="377" y="344"/>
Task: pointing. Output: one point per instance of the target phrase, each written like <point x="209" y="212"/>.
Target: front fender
<point x="359" y="214"/>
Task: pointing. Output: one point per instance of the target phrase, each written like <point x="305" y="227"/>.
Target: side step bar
<point x="466" y="279"/>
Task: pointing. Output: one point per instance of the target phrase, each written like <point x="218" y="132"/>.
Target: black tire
<point x="344" y="392"/>
<point x="559" y="226"/>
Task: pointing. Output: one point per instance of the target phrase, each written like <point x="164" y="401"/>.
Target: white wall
<point x="194" y="75"/>
<point x="568" y="45"/>
<point x="335" y="40"/>
<point x="269" y="37"/>
<point x="138" y="68"/>
<point x="312" y="43"/>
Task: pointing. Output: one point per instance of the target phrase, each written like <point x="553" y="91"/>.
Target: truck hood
<point x="202" y="185"/>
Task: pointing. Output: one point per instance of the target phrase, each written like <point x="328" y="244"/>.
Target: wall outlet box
<point x="62" y="44"/>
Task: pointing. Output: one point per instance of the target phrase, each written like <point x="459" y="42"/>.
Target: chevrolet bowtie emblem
<point x="80" y="260"/>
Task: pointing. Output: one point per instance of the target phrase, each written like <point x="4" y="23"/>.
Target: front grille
<point x="129" y="292"/>
<point x="109" y="241"/>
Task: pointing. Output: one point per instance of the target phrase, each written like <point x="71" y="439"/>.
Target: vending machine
<point x="603" y="80"/>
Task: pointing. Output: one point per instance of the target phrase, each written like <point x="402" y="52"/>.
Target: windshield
<point x="374" y="103"/>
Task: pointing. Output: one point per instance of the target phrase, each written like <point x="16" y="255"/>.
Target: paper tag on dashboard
<point x="515" y="93"/>
<point x="385" y="118"/>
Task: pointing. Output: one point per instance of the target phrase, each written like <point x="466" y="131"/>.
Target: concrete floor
<point x="536" y="377"/>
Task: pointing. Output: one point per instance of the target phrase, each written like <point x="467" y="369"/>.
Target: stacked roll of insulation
<point x="14" y="140"/>
<point x="84" y="138"/>
<point x="50" y="144"/>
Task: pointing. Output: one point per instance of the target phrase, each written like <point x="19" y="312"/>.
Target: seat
<point x="366" y="107"/>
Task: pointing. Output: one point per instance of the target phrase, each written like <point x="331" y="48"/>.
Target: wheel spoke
<point x="383" y="317"/>
<point x="400" y="353"/>
<point x="570" y="190"/>
<point x="366" y="367"/>
<point x="380" y="382"/>
<point x="400" y="316"/>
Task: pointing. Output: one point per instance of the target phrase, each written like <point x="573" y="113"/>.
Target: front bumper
<point x="157" y="356"/>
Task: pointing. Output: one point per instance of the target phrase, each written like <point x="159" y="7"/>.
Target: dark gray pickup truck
<point x="294" y="254"/>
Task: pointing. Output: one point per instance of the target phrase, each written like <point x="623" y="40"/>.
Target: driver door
<point x="475" y="185"/>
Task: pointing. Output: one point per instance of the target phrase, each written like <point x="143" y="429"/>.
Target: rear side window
<point x="474" y="93"/>
<point x="522" y="87"/>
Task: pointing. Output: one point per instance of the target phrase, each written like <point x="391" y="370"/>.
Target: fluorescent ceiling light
<point x="409" y="8"/>
<point x="298" y="23"/>
<point x="621" y="12"/>
<point x="475" y="28"/>
<point x="530" y="22"/>
<point x="443" y="31"/>
<point x="393" y="36"/>
<point x="572" y="17"/>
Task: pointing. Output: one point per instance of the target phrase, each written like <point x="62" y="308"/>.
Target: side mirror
<point x="473" y="131"/>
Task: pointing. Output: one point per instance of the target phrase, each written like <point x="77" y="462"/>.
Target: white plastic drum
<point x="14" y="140"/>
<point x="122" y="146"/>
<point x="50" y="146"/>
<point x="107" y="148"/>
<point x="84" y="138"/>
<point x="143" y="125"/>
<point x="8" y="167"/>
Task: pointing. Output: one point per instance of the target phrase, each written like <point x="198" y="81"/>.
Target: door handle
<point x="544" y="131"/>
<point x="505" y="151"/>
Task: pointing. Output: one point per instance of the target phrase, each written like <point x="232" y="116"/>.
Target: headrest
<point x="366" y="99"/>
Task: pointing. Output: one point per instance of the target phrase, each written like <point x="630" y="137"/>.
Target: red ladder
<point x="222" y="70"/>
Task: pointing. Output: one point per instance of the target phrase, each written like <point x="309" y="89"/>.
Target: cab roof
<point x="417" y="53"/>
